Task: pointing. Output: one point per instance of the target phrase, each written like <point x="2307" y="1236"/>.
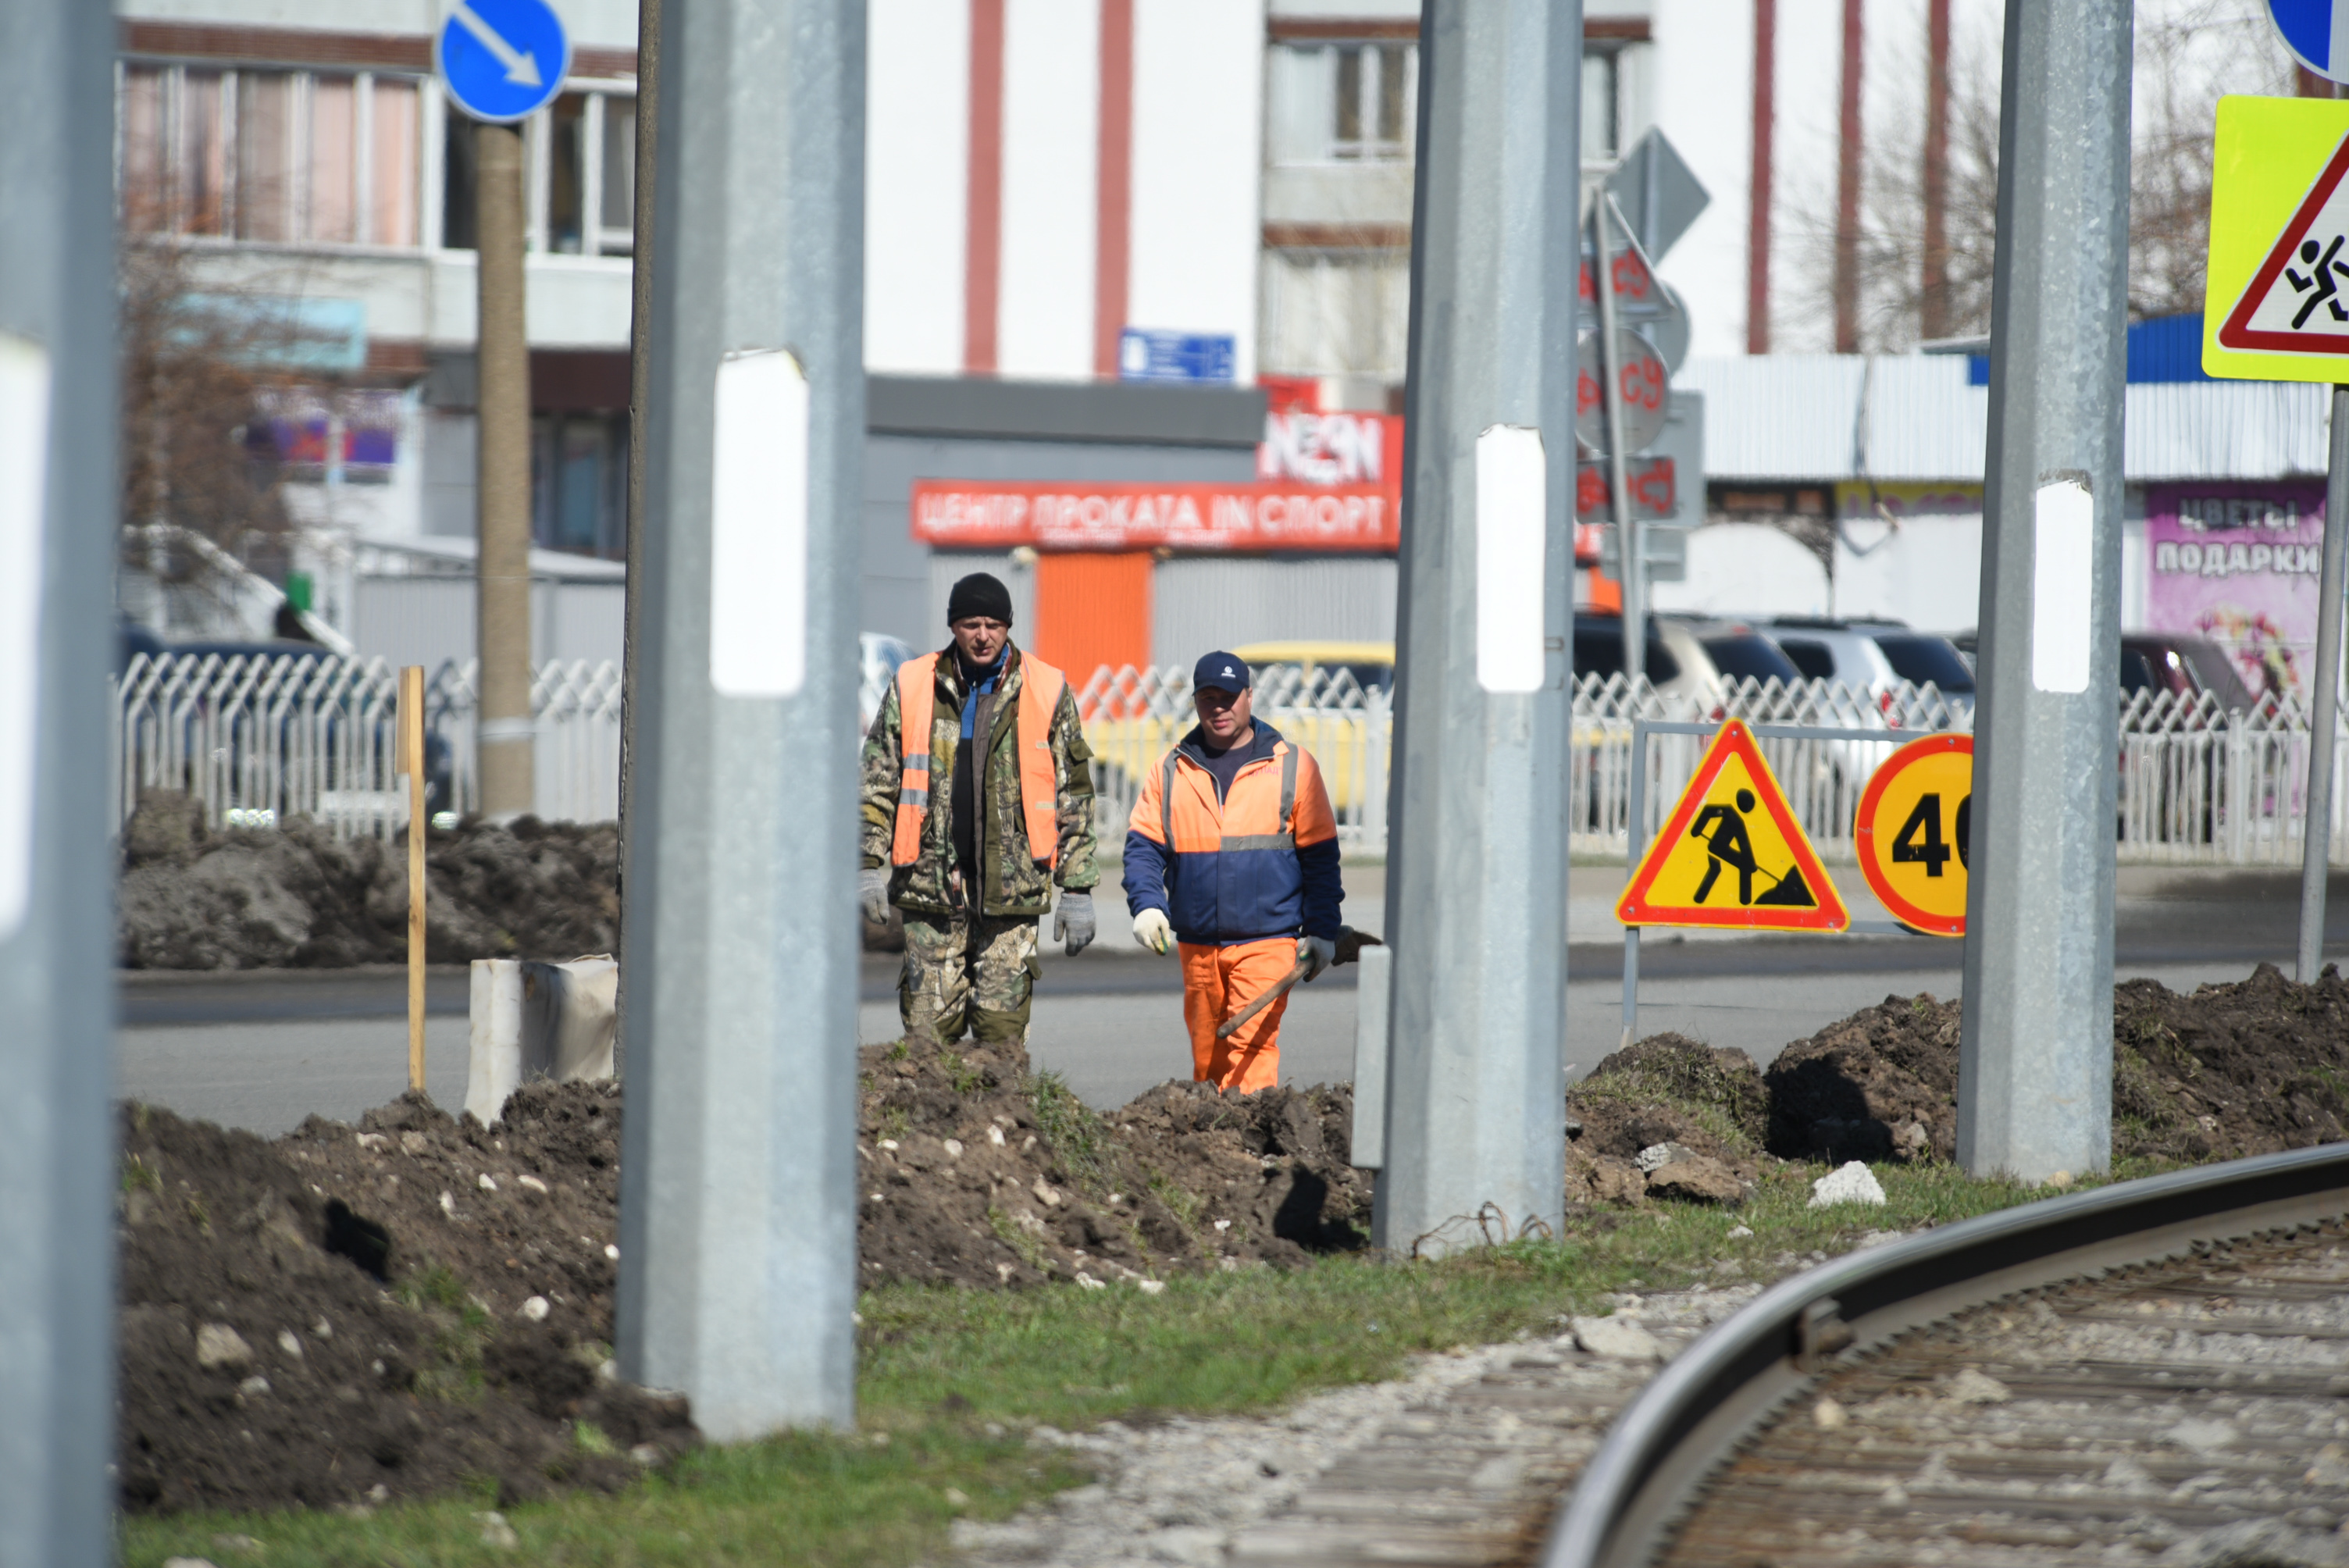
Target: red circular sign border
<point x="1863" y="836"/>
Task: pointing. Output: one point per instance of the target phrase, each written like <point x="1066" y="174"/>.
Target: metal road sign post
<point x="502" y="60"/>
<point x="2278" y="309"/>
<point x="738" y="1209"/>
<point x="1477" y="897"/>
<point x="57" y="415"/>
<point x="2034" y="1095"/>
<point x="1619" y="485"/>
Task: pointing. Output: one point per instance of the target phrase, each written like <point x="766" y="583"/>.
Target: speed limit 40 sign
<point x="1911" y="832"/>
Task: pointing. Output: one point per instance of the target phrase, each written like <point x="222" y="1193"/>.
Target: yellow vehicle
<point x="1371" y="664"/>
<point x="1347" y="742"/>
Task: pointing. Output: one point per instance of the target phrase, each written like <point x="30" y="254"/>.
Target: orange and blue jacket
<point x="1259" y="862"/>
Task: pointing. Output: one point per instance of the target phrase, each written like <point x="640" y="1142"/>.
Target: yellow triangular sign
<point x="1733" y="854"/>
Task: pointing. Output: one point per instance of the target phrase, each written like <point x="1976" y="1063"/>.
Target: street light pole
<point x="59" y="504"/>
<point x="1477" y="897"/>
<point x="738" y="1195"/>
<point x="506" y="732"/>
<point x="2035" y="1089"/>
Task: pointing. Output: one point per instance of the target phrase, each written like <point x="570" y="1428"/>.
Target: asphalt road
<point x="262" y="1050"/>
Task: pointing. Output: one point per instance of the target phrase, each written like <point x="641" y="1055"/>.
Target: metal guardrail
<point x="1688" y="1421"/>
<point x="257" y="739"/>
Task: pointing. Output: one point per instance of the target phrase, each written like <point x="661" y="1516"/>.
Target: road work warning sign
<point x="1913" y="830"/>
<point x="2276" y="305"/>
<point x="1733" y="854"/>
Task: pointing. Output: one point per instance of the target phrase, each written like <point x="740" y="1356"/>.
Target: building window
<point x="282" y="156"/>
<point x="580" y="161"/>
<point x="1602" y="103"/>
<point x="579" y="483"/>
<point x="1342" y="103"/>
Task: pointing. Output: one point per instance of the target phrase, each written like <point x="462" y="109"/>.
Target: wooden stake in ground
<point x="410" y="746"/>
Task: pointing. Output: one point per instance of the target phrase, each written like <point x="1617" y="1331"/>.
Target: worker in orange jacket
<point x="1231" y="855"/>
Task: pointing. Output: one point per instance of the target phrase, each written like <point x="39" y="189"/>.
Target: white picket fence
<point x="259" y="740"/>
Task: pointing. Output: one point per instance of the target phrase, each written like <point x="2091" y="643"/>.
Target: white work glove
<point x="1151" y="929"/>
<point x="873" y="892"/>
<point x="1075" y="924"/>
<point x="1316" y="954"/>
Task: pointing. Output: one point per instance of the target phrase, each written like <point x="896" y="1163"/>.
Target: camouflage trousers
<point x="970" y="971"/>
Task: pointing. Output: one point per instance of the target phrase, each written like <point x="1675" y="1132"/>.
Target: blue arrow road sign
<point x="2317" y="33"/>
<point x="502" y="59"/>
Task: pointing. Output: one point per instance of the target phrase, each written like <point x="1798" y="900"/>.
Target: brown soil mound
<point x="2235" y="1069"/>
<point x="2251" y="1067"/>
<point x="263" y="1364"/>
<point x="1669" y="1089"/>
<point x="299" y="897"/>
<point x="979" y="1173"/>
<point x="1879" y="1085"/>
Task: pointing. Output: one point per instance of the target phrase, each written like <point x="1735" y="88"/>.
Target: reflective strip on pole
<point x="2035" y="1092"/>
<point x="59" y="512"/>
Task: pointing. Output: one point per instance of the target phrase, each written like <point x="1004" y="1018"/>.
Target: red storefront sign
<point x="968" y="515"/>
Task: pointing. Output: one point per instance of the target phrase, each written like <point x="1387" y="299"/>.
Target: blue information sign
<point x="502" y="59"/>
<point x="2317" y="33"/>
<point x="1143" y="355"/>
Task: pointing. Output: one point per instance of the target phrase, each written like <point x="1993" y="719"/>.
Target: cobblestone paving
<point x="1461" y="1462"/>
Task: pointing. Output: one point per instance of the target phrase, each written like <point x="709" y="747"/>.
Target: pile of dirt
<point x="1879" y="1085"/>
<point x="350" y="1316"/>
<point x="1668" y="1116"/>
<point x="2246" y="1067"/>
<point x="297" y="896"/>
<point x="2251" y="1067"/>
<point x="976" y="1171"/>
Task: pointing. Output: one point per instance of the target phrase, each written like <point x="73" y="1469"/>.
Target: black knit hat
<point x="979" y="594"/>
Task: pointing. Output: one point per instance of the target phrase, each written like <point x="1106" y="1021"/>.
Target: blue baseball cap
<point x="1226" y="672"/>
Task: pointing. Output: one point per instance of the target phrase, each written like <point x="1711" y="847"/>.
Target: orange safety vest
<point x="1039" y="784"/>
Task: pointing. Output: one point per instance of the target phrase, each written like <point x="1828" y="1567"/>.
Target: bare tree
<point x="2187" y="56"/>
<point x="199" y="360"/>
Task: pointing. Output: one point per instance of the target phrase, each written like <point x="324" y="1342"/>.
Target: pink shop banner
<point x="2238" y="563"/>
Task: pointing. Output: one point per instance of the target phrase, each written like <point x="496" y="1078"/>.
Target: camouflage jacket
<point x="1015" y="883"/>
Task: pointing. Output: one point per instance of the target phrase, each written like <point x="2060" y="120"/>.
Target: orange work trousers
<point x="1218" y="982"/>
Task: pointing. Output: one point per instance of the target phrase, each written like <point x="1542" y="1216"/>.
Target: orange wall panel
<point x="1092" y="609"/>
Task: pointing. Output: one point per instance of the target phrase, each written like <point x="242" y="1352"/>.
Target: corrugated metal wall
<point x="949" y="566"/>
<point x="1200" y="603"/>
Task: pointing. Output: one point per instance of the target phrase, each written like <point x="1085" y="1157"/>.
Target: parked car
<point x="1692" y="662"/>
<point x="2183" y="667"/>
<point x="1372" y="664"/>
<point x="1876" y="656"/>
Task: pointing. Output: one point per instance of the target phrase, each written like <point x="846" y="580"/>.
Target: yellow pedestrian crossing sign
<point x="2276" y="300"/>
<point x="1732" y="853"/>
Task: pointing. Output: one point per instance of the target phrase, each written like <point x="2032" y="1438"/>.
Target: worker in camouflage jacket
<point x="970" y="850"/>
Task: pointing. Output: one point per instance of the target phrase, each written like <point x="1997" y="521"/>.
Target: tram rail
<point x="1808" y="1426"/>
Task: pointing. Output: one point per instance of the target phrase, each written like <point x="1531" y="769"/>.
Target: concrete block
<point x="533" y="1020"/>
<point x="1367" y="1144"/>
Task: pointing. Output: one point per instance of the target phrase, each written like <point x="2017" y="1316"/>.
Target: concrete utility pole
<point x="1476" y="902"/>
<point x="738" y="1215"/>
<point x="2035" y="1068"/>
<point x="57" y="511"/>
<point x="502" y="478"/>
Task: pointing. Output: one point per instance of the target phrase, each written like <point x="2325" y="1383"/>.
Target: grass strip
<point x="951" y="1380"/>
